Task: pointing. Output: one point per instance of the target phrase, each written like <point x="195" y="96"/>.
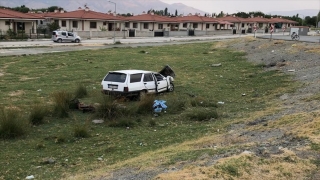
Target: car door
<point x="64" y="36"/>
<point x="161" y="82"/>
<point x="149" y="82"/>
<point x="70" y="37"/>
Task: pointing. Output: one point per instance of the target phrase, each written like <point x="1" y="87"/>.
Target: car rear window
<point x="116" y="77"/>
<point x="135" y="78"/>
<point x="54" y="33"/>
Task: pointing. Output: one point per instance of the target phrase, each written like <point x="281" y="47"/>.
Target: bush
<point x="11" y="124"/>
<point x="81" y="91"/>
<point x="145" y="105"/>
<point x="81" y="131"/>
<point x="177" y="103"/>
<point x="109" y="108"/>
<point x="62" y="101"/>
<point x="37" y="114"/>
<point x="202" y="114"/>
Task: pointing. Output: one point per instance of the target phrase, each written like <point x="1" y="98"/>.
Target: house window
<point x="207" y="26"/>
<point x="160" y="26"/>
<point x="63" y="23"/>
<point x="135" y="25"/>
<point x="260" y="25"/>
<point x="7" y="22"/>
<point x="75" y="24"/>
<point x="93" y="25"/>
<point x="41" y="22"/>
<point x="195" y="25"/>
<point x="145" y="25"/>
<point x="127" y="24"/>
<point x="242" y="25"/>
<point x="185" y="25"/>
<point x="105" y="23"/>
<point x="56" y="21"/>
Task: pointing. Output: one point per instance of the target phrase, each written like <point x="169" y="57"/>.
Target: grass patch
<point x="12" y="124"/>
<point x="37" y="114"/>
<point x="50" y="76"/>
<point x="81" y="91"/>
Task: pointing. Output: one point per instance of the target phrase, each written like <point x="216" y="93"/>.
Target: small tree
<point x="53" y="26"/>
<point x="176" y="14"/>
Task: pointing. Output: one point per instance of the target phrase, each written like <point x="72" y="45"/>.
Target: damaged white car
<point x="138" y="82"/>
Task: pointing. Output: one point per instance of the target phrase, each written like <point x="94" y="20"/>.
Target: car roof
<point x="132" y="71"/>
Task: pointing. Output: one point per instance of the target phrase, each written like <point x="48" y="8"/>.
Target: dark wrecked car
<point x="138" y="82"/>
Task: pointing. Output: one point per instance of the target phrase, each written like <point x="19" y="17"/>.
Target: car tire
<point x="171" y="89"/>
<point x="59" y="40"/>
<point x="77" y="41"/>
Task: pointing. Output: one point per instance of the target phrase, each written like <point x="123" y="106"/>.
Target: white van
<point x="65" y="36"/>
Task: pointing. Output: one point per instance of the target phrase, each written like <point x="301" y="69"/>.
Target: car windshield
<point x="116" y="77"/>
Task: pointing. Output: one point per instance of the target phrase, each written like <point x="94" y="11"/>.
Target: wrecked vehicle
<point x="138" y="82"/>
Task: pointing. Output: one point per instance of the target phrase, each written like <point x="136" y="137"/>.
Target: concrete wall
<point x="218" y="32"/>
<point x="199" y="33"/>
<point x="100" y="34"/>
<point x="144" y="34"/>
<point x="175" y="33"/>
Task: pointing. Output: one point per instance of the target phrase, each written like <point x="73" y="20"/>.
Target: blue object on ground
<point x="159" y="105"/>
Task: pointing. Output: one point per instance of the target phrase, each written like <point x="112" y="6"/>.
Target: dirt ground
<point x="299" y="59"/>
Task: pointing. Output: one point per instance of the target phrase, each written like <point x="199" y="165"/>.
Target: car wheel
<point x="171" y="88"/>
<point x="77" y="41"/>
<point x="59" y="40"/>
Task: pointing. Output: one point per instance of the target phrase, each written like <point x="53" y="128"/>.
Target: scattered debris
<point x="48" y="161"/>
<point x="220" y="102"/>
<point x="244" y="94"/>
<point x="30" y="177"/>
<point x="216" y="65"/>
<point x="39" y="90"/>
<point x="100" y="159"/>
<point x="291" y="70"/>
<point x="98" y="121"/>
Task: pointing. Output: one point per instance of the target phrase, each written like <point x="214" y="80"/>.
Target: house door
<point x="131" y="33"/>
<point x="20" y="26"/>
<point x="110" y="26"/>
<point x="191" y="32"/>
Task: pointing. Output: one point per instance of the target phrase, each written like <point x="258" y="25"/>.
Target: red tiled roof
<point x="150" y="18"/>
<point x="196" y="18"/>
<point x="257" y="20"/>
<point x="84" y="14"/>
<point x="232" y="19"/>
<point x="282" y="20"/>
<point x="11" y="14"/>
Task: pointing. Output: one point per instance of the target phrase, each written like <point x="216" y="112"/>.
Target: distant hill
<point x="127" y="6"/>
<point x="302" y="12"/>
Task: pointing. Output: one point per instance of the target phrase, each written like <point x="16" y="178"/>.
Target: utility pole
<point x="114" y="22"/>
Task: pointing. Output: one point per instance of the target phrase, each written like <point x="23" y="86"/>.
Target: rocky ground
<point x="295" y="58"/>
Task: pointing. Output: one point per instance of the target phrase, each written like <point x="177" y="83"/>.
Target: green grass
<point x="28" y="79"/>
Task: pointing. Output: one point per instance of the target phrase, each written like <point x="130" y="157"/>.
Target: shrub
<point x="81" y="91"/>
<point x="176" y="103"/>
<point x="37" y="114"/>
<point x="109" y="108"/>
<point x="62" y="101"/>
<point x="11" y="124"/>
<point x="145" y="105"/>
<point x="202" y="114"/>
<point x="81" y="131"/>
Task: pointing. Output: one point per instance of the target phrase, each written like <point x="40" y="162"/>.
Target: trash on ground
<point x="244" y="94"/>
<point x="291" y="70"/>
<point x="30" y="177"/>
<point x="98" y="121"/>
<point x="216" y="65"/>
<point x="159" y="106"/>
<point x="220" y="102"/>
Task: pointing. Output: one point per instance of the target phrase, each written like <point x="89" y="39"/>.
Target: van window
<point x="135" y="78"/>
<point x="116" y="77"/>
<point x="70" y="34"/>
<point x="54" y="33"/>
<point x="147" y="77"/>
<point x="63" y="33"/>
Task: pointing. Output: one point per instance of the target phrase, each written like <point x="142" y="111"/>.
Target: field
<point x="208" y="99"/>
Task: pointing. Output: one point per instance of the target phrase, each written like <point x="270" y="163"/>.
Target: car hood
<point x="167" y="71"/>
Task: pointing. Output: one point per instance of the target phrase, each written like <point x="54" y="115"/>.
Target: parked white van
<point x="65" y="36"/>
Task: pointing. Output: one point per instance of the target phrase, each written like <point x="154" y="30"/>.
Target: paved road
<point x="47" y="46"/>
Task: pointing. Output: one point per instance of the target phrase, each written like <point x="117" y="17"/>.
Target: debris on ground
<point x="216" y="65"/>
<point x="159" y="106"/>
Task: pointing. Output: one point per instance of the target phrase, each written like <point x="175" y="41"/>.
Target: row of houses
<point x="91" y="23"/>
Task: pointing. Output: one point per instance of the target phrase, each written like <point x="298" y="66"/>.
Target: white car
<point x="65" y="36"/>
<point x="138" y="82"/>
